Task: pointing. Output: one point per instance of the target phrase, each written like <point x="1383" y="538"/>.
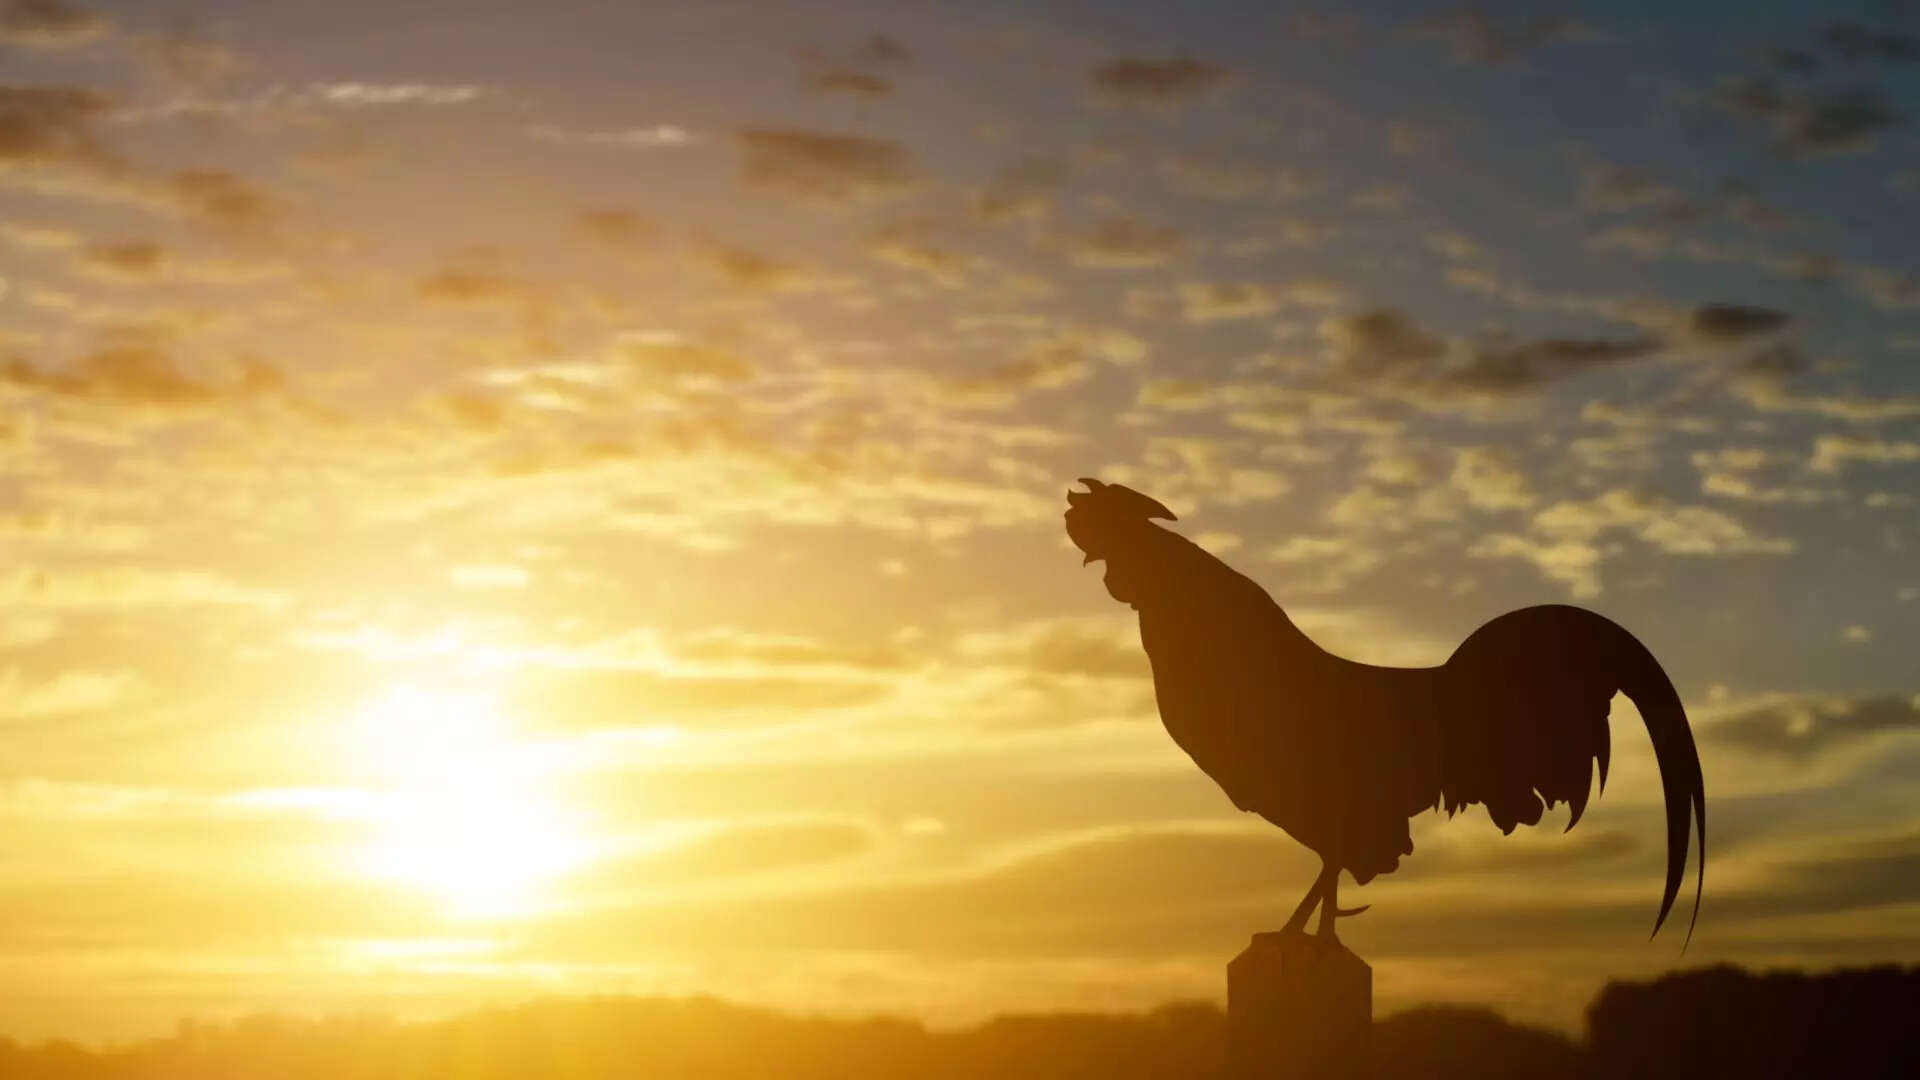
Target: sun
<point x="465" y="807"/>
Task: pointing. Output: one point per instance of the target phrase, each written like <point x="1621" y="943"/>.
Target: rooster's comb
<point x="1117" y="499"/>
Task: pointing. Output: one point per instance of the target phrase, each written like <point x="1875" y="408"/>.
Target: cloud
<point x="1721" y="324"/>
<point x="1476" y="38"/>
<point x="1106" y="343"/>
<point x="1037" y="368"/>
<point x="1418" y="135"/>
<point x="617" y="228"/>
<point x="365" y="95"/>
<point x="126" y="587"/>
<point x="1489" y="480"/>
<point x="1803" y="729"/>
<point x="1233" y="181"/>
<point x="1101" y="647"/>
<point x="1019" y="190"/>
<point x="673" y="360"/>
<point x="466" y="411"/>
<point x="1381" y="199"/>
<point x="223" y="200"/>
<point x="1675" y="529"/>
<point x="49" y="24"/>
<point x="1763" y="385"/>
<point x="754" y="272"/>
<point x="1189" y="470"/>
<point x="1792" y="60"/>
<point x="1645" y="314"/>
<point x="1158" y="83"/>
<point x="133" y="260"/>
<point x="736" y="650"/>
<point x="857" y="84"/>
<point x="1332" y="560"/>
<point x="1366" y="508"/>
<point x="463" y="285"/>
<point x="1729" y="473"/>
<point x="38" y="238"/>
<point x="879" y="49"/>
<point x="1205" y="302"/>
<point x="1567" y="539"/>
<point x="1852" y="876"/>
<point x="1125" y="889"/>
<point x="1807" y="122"/>
<point x="733" y="851"/>
<point x="1381" y="343"/>
<point x="828" y="169"/>
<point x="1172" y="887"/>
<point x="49" y="141"/>
<point x="1509" y="368"/>
<point x="1386" y="465"/>
<point x="147" y="261"/>
<point x="1120" y="243"/>
<point x="489" y="576"/>
<point x="1452" y="245"/>
<point x="1830" y="452"/>
<point x="1610" y="188"/>
<point x="1313" y="293"/>
<point x="1385" y="347"/>
<point x="559" y="699"/>
<point x="1528" y="851"/>
<point x="141" y="377"/>
<point x="703" y="664"/>
<point x="65" y="693"/>
<point x="60" y="529"/>
<point x="1574" y="563"/>
<point x="185" y="56"/>
<point x="1888" y="289"/>
<point x="635" y="138"/>
<point x="1854" y="43"/>
<point x="51" y="126"/>
<point x="280" y="102"/>
<point x="905" y="248"/>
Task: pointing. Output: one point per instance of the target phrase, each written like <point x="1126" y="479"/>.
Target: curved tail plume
<point x="1537" y="683"/>
<point x="1646" y="684"/>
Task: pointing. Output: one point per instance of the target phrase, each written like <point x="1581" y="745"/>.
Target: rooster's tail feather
<point x="1530" y="724"/>
<point x="1647" y="685"/>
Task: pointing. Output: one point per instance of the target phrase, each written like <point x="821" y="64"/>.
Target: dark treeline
<point x="1711" y="1023"/>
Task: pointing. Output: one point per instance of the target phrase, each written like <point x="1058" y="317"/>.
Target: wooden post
<point x="1299" y="1007"/>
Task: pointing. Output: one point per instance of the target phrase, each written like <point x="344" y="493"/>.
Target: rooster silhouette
<point x="1340" y="754"/>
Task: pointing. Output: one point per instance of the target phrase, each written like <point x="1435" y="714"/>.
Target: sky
<point x="504" y="500"/>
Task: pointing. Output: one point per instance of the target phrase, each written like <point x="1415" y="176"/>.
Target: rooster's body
<point x="1340" y="754"/>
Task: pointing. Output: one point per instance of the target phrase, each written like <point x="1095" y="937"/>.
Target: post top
<point x="1296" y="949"/>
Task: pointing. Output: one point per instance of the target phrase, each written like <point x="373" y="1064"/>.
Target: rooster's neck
<point x="1183" y="587"/>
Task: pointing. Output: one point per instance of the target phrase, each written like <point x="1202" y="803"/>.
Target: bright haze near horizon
<point x="503" y="500"/>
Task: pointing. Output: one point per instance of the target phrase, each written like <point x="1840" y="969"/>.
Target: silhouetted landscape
<point x="1712" y="1022"/>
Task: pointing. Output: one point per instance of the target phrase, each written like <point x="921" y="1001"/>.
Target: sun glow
<point x="466" y="810"/>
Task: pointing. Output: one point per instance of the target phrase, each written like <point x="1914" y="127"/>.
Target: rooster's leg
<point x="1298" y="922"/>
<point x="1330" y="908"/>
<point x="1329" y="903"/>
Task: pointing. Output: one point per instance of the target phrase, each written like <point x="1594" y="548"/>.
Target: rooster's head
<point x="1111" y="522"/>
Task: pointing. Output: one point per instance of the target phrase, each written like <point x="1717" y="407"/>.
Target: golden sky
<point x="503" y="500"/>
